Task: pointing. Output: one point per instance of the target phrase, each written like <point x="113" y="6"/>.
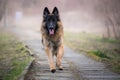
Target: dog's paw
<point x="53" y="70"/>
<point x="60" y="68"/>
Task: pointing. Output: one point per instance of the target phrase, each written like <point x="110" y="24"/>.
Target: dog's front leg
<point x="50" y="59"/>
<point x="59" y="57"/>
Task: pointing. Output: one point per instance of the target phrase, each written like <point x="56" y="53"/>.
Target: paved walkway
<point x="76" y="66"/>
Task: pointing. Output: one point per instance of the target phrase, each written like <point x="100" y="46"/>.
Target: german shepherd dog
<point x="52" y="37"/>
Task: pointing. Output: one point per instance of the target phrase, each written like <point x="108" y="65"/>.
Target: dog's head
<point x="51" y="20"/>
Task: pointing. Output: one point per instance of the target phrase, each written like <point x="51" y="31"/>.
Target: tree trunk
<point x="5" y="13"/>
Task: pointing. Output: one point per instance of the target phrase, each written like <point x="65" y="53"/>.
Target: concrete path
<point x="76" y="66"/>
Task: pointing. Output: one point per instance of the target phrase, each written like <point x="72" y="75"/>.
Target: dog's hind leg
<point x="42" y="40"/>
<point x="50" y="59"/>
<point x="42" y="45"/>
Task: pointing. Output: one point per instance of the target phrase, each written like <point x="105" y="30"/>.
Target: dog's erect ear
<point x="45" y="12"/>
<point x="55" y="11"/>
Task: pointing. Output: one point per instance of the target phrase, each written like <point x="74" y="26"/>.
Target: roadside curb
<point x="28" y="49"/>
<point x="24" y="72"/>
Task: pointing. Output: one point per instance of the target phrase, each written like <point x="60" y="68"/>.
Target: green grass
<point x="14" y="57"/>
<point x="102" y="49"/>
<point x="99" y="54"/>
<point x="108" y="40"/>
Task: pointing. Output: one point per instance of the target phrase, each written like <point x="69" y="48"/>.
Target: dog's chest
<point x="54" y="44"/>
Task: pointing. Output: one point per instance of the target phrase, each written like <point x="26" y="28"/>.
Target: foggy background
<point x="101" y="17"/>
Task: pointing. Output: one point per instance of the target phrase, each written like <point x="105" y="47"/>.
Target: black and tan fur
<point x="53" y="44"/>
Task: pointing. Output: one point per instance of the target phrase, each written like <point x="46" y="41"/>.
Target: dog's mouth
<point x="51" y="31"/>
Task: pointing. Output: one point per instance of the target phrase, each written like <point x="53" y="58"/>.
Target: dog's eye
<point x="53" y="20"/>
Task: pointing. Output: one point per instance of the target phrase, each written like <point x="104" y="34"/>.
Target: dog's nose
<point x="51" y="26"/>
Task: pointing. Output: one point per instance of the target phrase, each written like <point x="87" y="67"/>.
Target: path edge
<point x="26" y="69"/>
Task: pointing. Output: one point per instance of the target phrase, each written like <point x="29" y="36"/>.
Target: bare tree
<point x="3" y="9"/>
<point x="109" y="12"/>
<point x="5" y="12"/>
